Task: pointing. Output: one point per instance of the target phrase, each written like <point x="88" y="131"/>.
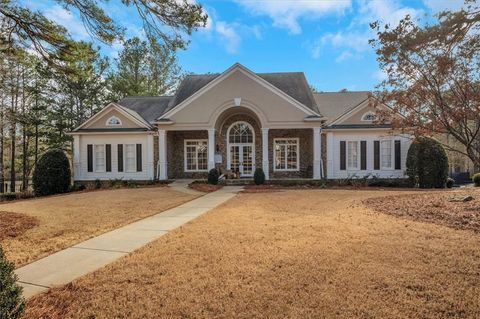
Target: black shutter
<point x="108" y="157"/>
<point x="343" y="155"/>
<point x="398" y="155"/>
<point x="363" y="155"/>
<point x="120" y="157"/>
<point x="90" y="157"/>
<point x="139" y="157"/>
<point x="376" y="155"/>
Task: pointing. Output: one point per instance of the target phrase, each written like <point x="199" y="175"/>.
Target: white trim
<point x="94" y="159"/>
<point x="107" y="123"/>
<point x="347" y="153"/>
<point x="392" y="154"/>
<point x="241" y="145"/>
<point x="125" y="166"/>
<point x="107" y="108"/>
<point x="275" y="140"/>
<point x="359" y="107"/>
<point x="265" y="154"/>
<point x="185" y="169"/>
<point x="250" y="74"/>
<point x="211" y="149"/>
<point x="317" y="153"/>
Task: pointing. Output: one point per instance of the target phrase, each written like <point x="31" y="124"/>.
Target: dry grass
<point x="434" y="208"/>
<point x="68" y="219"/>
<point x="14" y="224"/>
<point x="289" y="254"/>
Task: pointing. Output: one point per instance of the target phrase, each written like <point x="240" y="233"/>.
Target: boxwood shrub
<point x="12" y="303"/>
<point x="213" y="176"/>
<point x="427" y="163"/>
<point x="476" y="179"/>
<point x="52" y="173"/>
<point x="259" y="176"/>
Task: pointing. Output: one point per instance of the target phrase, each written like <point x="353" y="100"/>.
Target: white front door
<point x="242" y="158"/>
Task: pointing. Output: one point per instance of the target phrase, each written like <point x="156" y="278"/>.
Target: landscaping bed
<point x="291" y="254"/>
<point x="66" y="219"/>
<point x="204" y="187"/>
<point x="443" y="208"/>
<point x="14" y="224"/>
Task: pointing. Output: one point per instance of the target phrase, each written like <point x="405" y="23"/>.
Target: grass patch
<point x="65" y="220"/>
<point x="13" y="224"/>
<point x="290" y="254"/>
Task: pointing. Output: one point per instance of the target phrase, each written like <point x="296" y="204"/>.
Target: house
<point x="238" y="121"/>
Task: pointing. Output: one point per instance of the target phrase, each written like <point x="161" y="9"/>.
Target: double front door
<point x="242" y="159"/>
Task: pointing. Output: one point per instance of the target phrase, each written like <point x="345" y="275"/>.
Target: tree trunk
<point x="24" y="140"/>
<point x="2" y="129"/>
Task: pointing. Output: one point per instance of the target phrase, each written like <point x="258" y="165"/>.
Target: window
<point x="240" y="133"/>
<point x="196" y="155"/>
<point x="99" y="158"/>
<point x="386" y="153"/>
<point x="114" y="121"/>
<point x="130" y="158"/>
<point x="369" y="116"/>
<point x="286" y="154"/>
<point x="352" y="155"/>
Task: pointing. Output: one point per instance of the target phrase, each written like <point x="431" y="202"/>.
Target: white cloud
<point x="345" y="55"/>
<point x="390" y="12"/>
<point x="352" y="43"/>
<point x="229" y="35"/>
<point x="287" y="13"/>
<point x="65" y="18"/>
<point x="441" y="5"/>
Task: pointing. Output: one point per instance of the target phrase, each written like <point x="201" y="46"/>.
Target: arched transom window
<point x="369" y="116"/>
<point x="114" y="121"/>
<point x="240" y="132"/>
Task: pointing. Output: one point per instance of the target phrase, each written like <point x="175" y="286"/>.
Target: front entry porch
<point x="236" y="146"/>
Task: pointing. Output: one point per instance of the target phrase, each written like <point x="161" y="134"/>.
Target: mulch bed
<point x="15" y="224"/>
<point x="204" y="187"/>
<point x="433" y="208"/>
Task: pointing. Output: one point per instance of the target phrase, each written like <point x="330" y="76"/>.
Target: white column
<point x="330" y="155"/>
<point x="317" y="153"/>
<point x="265" y="161"/>
<point x="150" y="150"/>
<point x="211" y="148"/>
<point x="162" y="155"/>
<point x="76" y="158"/>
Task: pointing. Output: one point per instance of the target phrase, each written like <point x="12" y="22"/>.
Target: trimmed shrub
<point x="8" y="196"/>
<point x="427" y="163"/>
<point x="450" y="182"/>
<point x="52" y="173"/>
<point x="12" y="303"/>
<point x="213" y="176"/>
<point x="476" y="179"/>
<point x="259" y="176"/>
<point x="98" y="184"/>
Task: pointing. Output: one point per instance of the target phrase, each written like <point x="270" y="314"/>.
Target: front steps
<point x="238" y="182"/>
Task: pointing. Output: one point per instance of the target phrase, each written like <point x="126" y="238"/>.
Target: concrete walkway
<point x="181" y="185"/>
<point x="68" y="264"/>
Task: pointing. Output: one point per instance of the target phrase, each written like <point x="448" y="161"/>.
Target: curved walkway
<point x="68" y="264"/>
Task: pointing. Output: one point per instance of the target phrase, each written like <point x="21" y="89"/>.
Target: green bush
<point x="12" y="303"/>
<point x="259" y="176"/>
<point x="97" y="184"/>
<point x="8" y="196"/>
<point x="52" y="173"/>
<point x="427" y="163"/>
<point x="213" y="176"/>
<point x="476" y="179"/>
<point x="450" y="182"/>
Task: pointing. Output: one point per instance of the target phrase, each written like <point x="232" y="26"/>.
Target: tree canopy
<point x="433" y="76"/>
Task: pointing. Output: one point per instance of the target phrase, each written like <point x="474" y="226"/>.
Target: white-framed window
<point x="369" y="117"/>
<point x="114" y="121"/>
<point x="352" y="154"/>
<point x="285" y="154"/>
<point x="130" y="157"/>
<point x="196" y="155"/>
<point x="386" y="154"/>
<point x="99" y="157"/>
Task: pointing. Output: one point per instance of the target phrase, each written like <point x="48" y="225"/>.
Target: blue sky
<point x="326" y="39"/>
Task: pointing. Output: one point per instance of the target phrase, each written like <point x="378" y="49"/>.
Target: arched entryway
<point x="241" y="148"/>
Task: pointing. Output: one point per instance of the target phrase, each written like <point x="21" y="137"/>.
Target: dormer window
<point x="369" y="117"/>
<point x="114" y="121"/>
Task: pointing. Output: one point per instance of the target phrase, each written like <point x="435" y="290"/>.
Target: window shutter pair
<point x="397" y="154"/>
<point x="120" y="157"/>
<point x="108" y="157"/>
<point x="343" y="155"/>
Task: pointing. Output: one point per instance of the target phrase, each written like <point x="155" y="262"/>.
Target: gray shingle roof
<point x="334" y="104"/>
<point x="148" y="107"/>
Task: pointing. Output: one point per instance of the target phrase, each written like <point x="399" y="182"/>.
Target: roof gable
<point x="194" y="86"/>
<point x="148" y="108"/>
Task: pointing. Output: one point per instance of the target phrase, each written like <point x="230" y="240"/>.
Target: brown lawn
<point x="64" y="220"/>
<point x="286" y="254"/>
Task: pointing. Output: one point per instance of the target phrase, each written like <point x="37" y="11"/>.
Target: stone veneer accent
<point x="155" y="155"/>
<point x="305" y="152"/>
<point x="176" y="156"/>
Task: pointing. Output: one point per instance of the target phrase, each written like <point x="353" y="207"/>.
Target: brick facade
<point x="176" y="153"/>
